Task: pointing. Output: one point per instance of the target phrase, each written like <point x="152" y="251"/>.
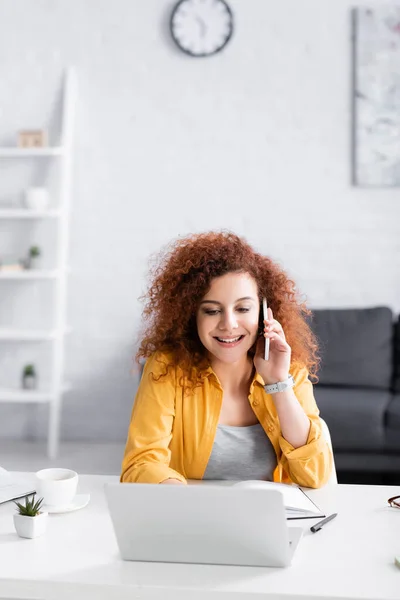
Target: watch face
<point x="201" y="27"/>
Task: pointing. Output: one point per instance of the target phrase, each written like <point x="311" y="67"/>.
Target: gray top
<point x="241" y="453"/>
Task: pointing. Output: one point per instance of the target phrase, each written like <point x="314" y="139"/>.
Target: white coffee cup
<point x="36" y="198"/>
<point x="57" y="487"/>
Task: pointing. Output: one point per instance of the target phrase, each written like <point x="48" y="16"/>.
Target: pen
<point x="319" y="525"/>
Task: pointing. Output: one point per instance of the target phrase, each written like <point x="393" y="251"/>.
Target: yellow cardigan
<point x="171" y="434"/>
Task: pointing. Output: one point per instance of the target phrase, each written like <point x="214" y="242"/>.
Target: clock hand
<point x="203" y="27"/>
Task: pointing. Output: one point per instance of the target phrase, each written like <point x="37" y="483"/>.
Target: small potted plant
<point x="34" y="253"/>
<point x="30" y="521"/>
<point x="30" y="261"/>
<point x="29" y="377"/>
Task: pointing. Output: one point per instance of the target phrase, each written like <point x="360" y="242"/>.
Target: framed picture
<point x="376" y="96"/>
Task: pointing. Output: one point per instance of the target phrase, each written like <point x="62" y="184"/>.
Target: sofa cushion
<point x="356" y="418"/>
<point x="356" y="346"/>
<point x="393" y="413"/>
<point x="393" y="424"/>
<point x="396" y="377"/>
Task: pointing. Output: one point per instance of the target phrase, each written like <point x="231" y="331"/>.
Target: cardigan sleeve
<point x="309" y="465"/>
<point x="147" y="454"/>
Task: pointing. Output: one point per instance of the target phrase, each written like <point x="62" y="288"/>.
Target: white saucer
<point x="78" y="502"/>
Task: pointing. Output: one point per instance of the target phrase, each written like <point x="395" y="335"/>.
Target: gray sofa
<point x="358" y="392"/>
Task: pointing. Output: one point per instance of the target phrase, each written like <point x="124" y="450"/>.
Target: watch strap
<point x="280" y="386"/>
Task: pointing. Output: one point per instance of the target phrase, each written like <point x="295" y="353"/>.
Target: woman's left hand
<point x="276" y="368"/>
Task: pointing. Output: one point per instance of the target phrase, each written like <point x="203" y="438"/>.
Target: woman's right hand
<point x="172" y="481"/>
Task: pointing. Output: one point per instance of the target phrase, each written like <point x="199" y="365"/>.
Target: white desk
<point x="352" y="557"/>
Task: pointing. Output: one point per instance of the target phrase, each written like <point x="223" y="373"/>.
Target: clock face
<point x="201" y="27"/>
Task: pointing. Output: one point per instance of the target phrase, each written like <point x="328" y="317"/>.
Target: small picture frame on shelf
<point x="32" y="138"/>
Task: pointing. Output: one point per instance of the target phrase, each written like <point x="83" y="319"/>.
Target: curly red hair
<point x="180" y="278"/>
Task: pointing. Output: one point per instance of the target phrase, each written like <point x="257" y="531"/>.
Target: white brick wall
<point x="256" y="140"/>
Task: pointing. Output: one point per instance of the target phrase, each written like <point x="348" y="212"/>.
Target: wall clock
<point x="201" y="27"/>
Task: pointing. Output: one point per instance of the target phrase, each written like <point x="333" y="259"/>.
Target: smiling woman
<point x="228" y="316"/>
<point x="209" y="405"/>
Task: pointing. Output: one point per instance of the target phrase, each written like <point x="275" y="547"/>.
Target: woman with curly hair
<point x="208" y="406"/>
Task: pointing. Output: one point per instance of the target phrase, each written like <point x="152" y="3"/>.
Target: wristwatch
<point x="280" y="386"/>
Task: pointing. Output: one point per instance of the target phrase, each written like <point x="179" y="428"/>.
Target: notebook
<point x="12" y="488"/>
<point x="297" y="504"/>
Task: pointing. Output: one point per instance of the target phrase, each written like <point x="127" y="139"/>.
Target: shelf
<point x="29" y="335"/>
<point x="14" y="215"/>
<point x="25" y="213"/>
<point x="29" y="275"/>
<point x="16" y="152"/>
<point x="28" y="396"/>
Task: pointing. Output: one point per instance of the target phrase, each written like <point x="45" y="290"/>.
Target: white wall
<point x="256" y="139"/>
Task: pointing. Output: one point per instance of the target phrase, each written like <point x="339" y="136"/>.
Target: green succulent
<point x="29" y="370"/>
<point x="34" y="251"/>
<point x="31" y="508"/>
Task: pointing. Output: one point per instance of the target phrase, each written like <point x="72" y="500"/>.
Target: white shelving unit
<point x="28" y="396"/>
<point x="21" y="213"/>
<point x="30" y="335"/>
<point x="31" y="275"/>
<point x="45" y="152"/>
<point x="57" y="276"/>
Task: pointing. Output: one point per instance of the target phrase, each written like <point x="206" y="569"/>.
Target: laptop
<point x="203" y="524"/>
<point x="12" y="488"/>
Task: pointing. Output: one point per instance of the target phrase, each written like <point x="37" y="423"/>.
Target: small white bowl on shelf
<point x="36" y="198"/>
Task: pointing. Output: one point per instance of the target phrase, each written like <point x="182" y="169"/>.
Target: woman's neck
<point x="233" y="376"/>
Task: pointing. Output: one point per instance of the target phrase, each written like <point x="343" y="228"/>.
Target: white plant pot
<point x="36" y="198"/>
<point x="29" y="382"/>
<point x="30" y="527"/>
<point x="32" y="263"/>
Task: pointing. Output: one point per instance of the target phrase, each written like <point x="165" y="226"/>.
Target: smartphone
<point x="265" y="316"/>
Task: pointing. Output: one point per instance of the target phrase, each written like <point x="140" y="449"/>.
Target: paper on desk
<point x="11" y="488"/>
<point x="297" y="504"/>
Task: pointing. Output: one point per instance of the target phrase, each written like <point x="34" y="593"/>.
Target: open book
<point x="11" y="488"/>
<point x="297" y="504"/>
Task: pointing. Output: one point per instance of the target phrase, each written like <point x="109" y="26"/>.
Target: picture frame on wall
<point x="376" y="96"/>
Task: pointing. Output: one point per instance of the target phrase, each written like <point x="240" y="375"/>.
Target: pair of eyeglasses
<point x="394" y="502"/>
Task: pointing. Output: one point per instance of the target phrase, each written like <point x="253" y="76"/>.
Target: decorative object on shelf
<point x="201" y="27"/>
<point x="29" y="377"/>
<point x="30" y="262"/>
<point x="32" y="138"/>
<point x="30" y="521"/>
<point x="36" y="198"/>
<point x="10" y="265"/>
<point x="376" y="118"/>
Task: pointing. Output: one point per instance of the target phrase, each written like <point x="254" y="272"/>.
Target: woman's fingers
<point x="279" y="343"/>
<point x="273" y="328"/>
